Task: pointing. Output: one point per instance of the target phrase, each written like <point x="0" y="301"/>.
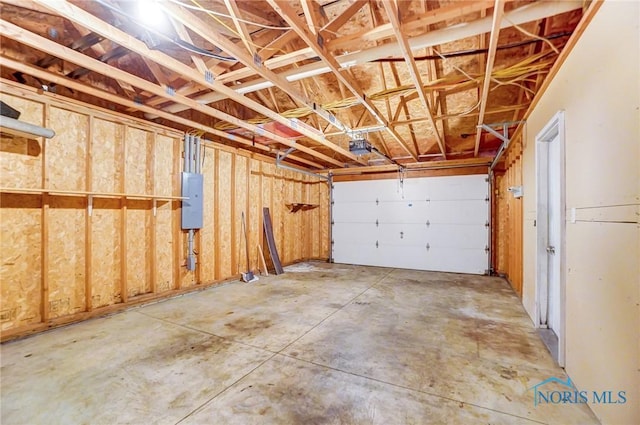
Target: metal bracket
<point x="90" y="205"/>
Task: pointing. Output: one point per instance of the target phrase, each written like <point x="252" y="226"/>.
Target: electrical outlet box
<point x="516" y="191"/>
<point x="192" y="188"/>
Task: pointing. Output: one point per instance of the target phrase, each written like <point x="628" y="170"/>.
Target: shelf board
<point x="61" y="192"/>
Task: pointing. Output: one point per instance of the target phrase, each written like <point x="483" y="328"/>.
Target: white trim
<point x="554" y="128"/>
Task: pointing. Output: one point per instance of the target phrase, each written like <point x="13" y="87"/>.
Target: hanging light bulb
<point x="150" y="12"/>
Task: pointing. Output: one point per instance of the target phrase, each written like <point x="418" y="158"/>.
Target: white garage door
<point x="427" y="223"/>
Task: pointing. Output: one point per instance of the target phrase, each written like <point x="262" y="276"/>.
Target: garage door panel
<point x="458" y="187"/>
<point x="365" y="233"/>
<point x="433" y="223"/>
<point x="458" y="260"/>
<point x="350" y="253"/>
<point x="459" y="212"/>
<point x="404" y="257"/>
<point x="402" y="212"/>
<point x="355" y="212"/>
<point x="403" y="234"/>
<point x="458" y="236"/>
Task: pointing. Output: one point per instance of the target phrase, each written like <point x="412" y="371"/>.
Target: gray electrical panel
<point x="192" y="185"/>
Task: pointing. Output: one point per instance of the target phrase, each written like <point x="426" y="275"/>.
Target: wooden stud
<point x="88" y="241"/>
<point x="151" y="169"/>
<point x="121" y="152"/>
<point x="216" y="215"/>
<point x="45" y="226"/>
<point x="175" y="218"/>
<point x="234" y="237"/>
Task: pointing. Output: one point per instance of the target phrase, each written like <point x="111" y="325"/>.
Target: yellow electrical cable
<point x="511" y="75"/>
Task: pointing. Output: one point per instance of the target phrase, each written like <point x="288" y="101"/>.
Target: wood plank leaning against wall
<point x="67" y="256"/>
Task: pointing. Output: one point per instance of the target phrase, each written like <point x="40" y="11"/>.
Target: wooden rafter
<point x="393" y="11"/>
<point x="311" y="14"/>
<point x="435" y="16"/>
<point x="76" y="85"/>
<point x="14" y="32"/>
<point x="402" y="106"/>
<point x="328" y="31"/>
<point x="202" y="29"/>
<point x="288" y="14"/>
<point x="78" y="15"/>
<point x="244" y="34"/>
<point x="498" y="11"/>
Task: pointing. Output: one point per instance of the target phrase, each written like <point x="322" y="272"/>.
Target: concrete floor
<point x="321" y="344"/>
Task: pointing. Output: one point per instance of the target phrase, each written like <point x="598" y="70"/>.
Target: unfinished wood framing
<point x="65" y="262"/>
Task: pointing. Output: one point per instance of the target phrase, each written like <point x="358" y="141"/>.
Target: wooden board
<point x="163" y="181"/>
<point x="254" y="224"/>
<point x="240" y="206"/>
<point x="224" y="244"/>
<point x="66" y="256"/>
<point x="207" y="253"/>
<point x="66" y="152"/>
<point x="20" y="262"/>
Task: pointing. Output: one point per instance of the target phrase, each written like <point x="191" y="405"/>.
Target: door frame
<point x="554" y="128"/>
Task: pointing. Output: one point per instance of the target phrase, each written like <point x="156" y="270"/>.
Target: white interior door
<point x="550" y="229"/>
<point x="433" y="223"/>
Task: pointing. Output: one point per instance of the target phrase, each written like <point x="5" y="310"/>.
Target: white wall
<point x="599" y="89"/>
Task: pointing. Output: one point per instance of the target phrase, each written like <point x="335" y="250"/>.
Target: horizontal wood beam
<point x="21" y="35"/>
<point x="414" y="166"/>
<point x="102" y="94"/>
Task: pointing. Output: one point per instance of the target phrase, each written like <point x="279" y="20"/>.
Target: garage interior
<point x="322" y="211"/>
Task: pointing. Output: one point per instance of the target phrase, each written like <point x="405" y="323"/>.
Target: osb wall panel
<point x="138" y="256"/>
<point x="66" y="152"/>
<point x="240" y="205"/>
<point x="106" y="150"/>
<point x="163" y="183"/>
<point x="164" y="247"/>
<point x="106" y="252"/>
<point x="224" y="211"/>
<point x="21" y="265"/>
<point x="68" y="257"/>
<point x="207" y="257"/>
<point x="21" y="159"/>
<point x="254" y="224"/>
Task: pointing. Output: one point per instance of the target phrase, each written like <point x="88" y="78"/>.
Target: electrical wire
<point x="177" y="41"/>
<point x="521" y="71"/>
<point x="224" y="15"/>
<point x="447" y="55"/>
